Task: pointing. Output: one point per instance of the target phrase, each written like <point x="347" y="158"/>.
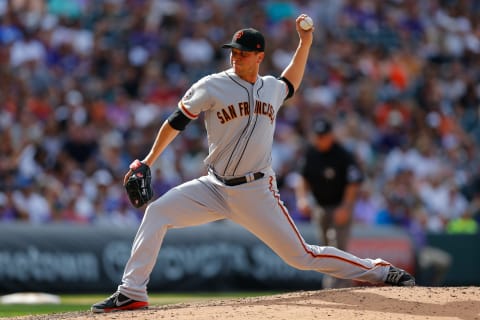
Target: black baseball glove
<point x="138" y="185"/>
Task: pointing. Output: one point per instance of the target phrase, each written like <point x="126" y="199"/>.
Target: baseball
<point x="306" y="23"/>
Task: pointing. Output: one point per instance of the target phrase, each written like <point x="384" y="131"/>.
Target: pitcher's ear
<point x="260" y="57"/>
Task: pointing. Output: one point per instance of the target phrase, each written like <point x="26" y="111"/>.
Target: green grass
<point x="15" y="310"/>
<point x="82" y="302"/>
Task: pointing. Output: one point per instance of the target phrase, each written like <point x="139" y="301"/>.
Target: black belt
<point x="240" y="180"/>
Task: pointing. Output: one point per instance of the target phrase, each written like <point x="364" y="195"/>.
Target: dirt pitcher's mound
<point x="371" y="303"/>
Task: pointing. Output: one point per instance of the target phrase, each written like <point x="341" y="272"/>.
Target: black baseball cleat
<point x="399" y="277"/>
<point x="118" y="302"/>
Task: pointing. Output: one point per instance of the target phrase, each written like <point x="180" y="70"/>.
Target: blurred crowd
<point x="86" y="84"/>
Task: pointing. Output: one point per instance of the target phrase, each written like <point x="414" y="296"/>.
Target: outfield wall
<point x="220" y="256"/>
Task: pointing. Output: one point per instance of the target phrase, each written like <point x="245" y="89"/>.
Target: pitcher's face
<point x="245" y="63"/>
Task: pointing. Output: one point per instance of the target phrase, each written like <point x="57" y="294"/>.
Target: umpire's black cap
<point x="321" y="126"/>
<point x="247" y="40"/>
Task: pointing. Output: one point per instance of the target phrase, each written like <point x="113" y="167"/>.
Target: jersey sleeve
<point x="289" y="87"/>
<point x="354" y="172"/>
<point x="303" y="163"/>
<point x="195" y="100"/>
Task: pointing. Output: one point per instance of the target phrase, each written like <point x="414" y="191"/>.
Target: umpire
<point x="327" y="189"/>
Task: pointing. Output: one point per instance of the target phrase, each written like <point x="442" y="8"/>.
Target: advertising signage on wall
<point x="214" y="257"/>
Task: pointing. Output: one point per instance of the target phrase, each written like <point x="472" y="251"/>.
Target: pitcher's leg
<point x="269" y="220"/>
<point x="177" y="208"/>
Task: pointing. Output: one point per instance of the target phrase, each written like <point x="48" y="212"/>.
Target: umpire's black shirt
<point x="329" y="172"/>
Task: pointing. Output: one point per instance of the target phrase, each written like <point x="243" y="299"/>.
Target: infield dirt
<point x="373" y="303"/>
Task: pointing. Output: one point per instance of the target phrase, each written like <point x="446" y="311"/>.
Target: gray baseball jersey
<point x="239" y="117"/>
<point x="240" y="122"/>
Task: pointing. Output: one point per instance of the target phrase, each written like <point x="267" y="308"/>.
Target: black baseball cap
<point x="247" y="40"/>
<point x="321" y="126"/>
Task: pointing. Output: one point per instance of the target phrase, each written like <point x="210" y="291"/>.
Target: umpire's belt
<point x="240" y="180"/>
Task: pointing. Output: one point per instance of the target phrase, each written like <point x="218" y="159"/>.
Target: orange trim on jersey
<point x="185" y="110"/>
<point x="299" y="237"/>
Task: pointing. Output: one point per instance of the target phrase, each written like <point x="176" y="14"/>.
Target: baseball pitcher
<point x="239" y="108"/>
